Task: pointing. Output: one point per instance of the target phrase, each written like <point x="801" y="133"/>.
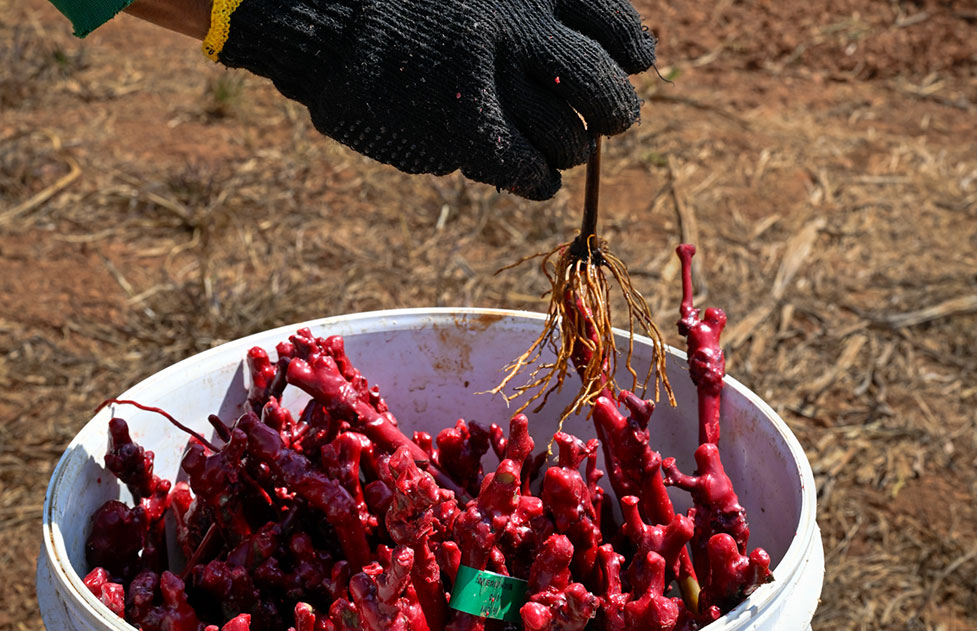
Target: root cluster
<point x="579" y="330"/>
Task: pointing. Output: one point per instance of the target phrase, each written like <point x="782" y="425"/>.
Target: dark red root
<point x="148" y="408"/>
<point x="707" y="364"/>
<point x="336" y="521"/>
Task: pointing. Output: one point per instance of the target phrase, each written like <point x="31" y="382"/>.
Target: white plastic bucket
<point x="429" y="364"/>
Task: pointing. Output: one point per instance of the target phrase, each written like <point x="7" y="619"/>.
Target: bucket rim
<point x="785" y="571"/>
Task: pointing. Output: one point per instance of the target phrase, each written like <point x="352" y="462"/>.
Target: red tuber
<point x="707" y="364"/>
<point x="335" y="521"/>
<point x="717" y="508"/>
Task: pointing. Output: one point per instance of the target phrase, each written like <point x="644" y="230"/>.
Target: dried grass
<point x="835" y="217"/>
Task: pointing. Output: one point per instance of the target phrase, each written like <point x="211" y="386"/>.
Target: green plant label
<point x="487" y="594"/>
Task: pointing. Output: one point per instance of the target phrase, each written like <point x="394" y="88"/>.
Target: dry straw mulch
<point x="826" y="167"/>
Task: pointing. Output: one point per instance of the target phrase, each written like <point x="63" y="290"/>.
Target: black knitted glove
<point x="492" y="87"/>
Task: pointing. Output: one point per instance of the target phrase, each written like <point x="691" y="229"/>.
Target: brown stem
<point x="588" y="226"/>
<point x="585" y="246"/>
<point x="199" y="552"/>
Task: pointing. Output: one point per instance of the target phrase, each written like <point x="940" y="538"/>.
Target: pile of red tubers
<point x="335" y="520"/>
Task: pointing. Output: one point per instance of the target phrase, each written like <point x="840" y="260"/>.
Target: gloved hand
<point x="492" y="87"/>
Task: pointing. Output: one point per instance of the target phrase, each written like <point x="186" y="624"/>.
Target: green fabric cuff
<point x="88" y="15"/>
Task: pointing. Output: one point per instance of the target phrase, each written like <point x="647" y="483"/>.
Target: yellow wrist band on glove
<point x="220" y="27"/>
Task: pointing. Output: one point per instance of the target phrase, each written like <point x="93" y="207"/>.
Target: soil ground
<point x="822" y="154"/>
